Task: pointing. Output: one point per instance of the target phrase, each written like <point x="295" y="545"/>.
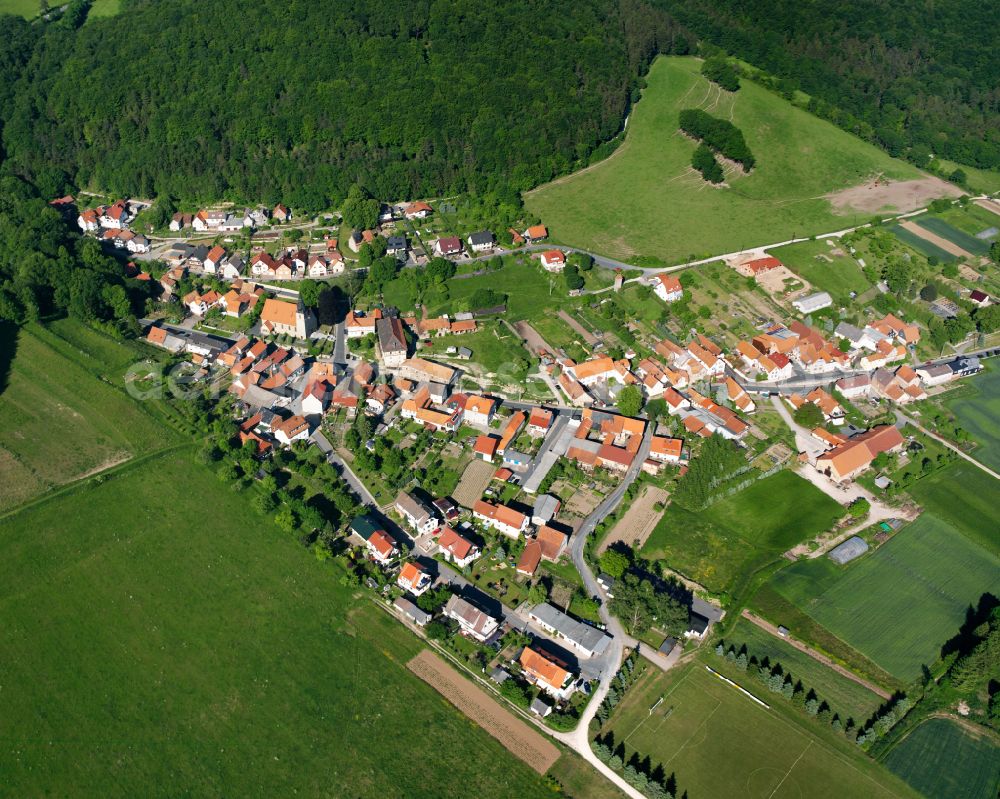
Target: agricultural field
<point x="978" y="411"/>
<point x="718" y="545"/>
<point x="944" y="761"/>
<point x="826" y="266"/>
<point x="899" y="604"/>
<point x="964" y="496"/>
<point x="210" y="658"/>
<point x="959" y="238"/>
<point x="58" y="420"/>
<point x="921" y="244"/>
<point x="645" y="201"/>
<point x="845" y="696"/>
<point x="972" y="219"/>
<point x="699" y="731"/>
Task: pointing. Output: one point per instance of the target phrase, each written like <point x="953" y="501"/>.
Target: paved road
<point x="350" y="477"/>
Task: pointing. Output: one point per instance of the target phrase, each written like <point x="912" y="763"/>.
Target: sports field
<point x="646" y="200"/>
<point x="845" y="696"/>
<point x="827" y="268"/>
<point x="901" y="603"/>
<point x="716" y="545"/>
<point x="160" y="638"/>
<point x="720" y="743"/>
<point x="978" y="411"/>
<point x="59" y="421"/>
<point x="944" y="761"/>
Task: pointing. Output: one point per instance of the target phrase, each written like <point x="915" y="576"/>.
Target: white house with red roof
<point x="668" y="287"/>
<point x="554" y="260"/>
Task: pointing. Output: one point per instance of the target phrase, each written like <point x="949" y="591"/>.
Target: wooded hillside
<point x="916" y="78"/>
<point x="296" y="100"/>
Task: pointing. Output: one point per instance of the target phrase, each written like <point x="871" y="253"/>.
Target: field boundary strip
<point x="515" y="735"/>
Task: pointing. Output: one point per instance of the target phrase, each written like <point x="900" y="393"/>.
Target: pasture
<point x="977" y="409"/>
<point x="645" y="200"/>
<point x="899" y="604"/>
<point x="59" y="421"/>
<point x="845" y="696"/>
<point x="161" y="638"/>
<point x="741" y="532"/>
<point x="944" y="761"/>
<point x="29" y="8"/>
<point x="700" y="732"/>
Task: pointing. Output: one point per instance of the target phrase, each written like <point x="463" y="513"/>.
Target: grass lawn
<point x="104" y="8"/>
<point x="964" y="496"/>
<point x="814" y="261"/>
<point x="645" y="200"/>
<point x="21" y="8"/>
<point x="899" y="604"/>
<point x="978" y="411"/>
<point x="741" y="532"/>
<point x="495" y="348"/>
<point x="845" y="696"/>
<point x="719" y="743"/>
<point x="944" y="761"/>
<point x="162" y="639"/>
<point x="58" y="421"/>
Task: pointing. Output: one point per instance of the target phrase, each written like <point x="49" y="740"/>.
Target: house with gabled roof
<point x="553" y="260"/>
<point x="456" y="548"/>
<point x="479" y="410"/>
<point x="536" y="233"/>
<point x="472" y="621"/>
<point x="501" y="517"/>
<point x="414" y="578"/>
<point x="481" y="241"/>
<point x="448" y="245"/>
<point x="529" y="559"/>
<point x="539" y="422"/>
<point x="668" y="287"/>
<point x="846" y="461"/>
<point x="417" y="513"/>
<point x="417" y="210"/>
<point x="214" y="259"/>
<point x="381" y="547"/>
<point x="547" y="671"/>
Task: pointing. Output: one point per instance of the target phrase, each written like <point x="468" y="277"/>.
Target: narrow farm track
<point x="817" y="656"/>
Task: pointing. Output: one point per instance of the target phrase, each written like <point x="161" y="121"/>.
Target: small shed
<point x="540" y="707"/>
<point x="667" y="646"/>
<point x="852" y="548"/>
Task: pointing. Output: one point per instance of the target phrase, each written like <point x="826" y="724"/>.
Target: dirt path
<point x="587" y="336"/>
<point x="935" y="239"/>
<point x="817" y="656"/>
<point x="532" y="338"/>
<point x="516" y="735"/>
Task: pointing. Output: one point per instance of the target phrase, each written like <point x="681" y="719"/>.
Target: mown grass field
<point x="160" y="638"/>
<point x="965" y="497"/>
<point x="58" y="420"/>
<point x="978" y="411"/>
<point x="942" y="760"/>
<point x="29" y="8"/>
<point x="814" y="261"/>
<point x="845" y="696"/>
<point x="980" y="180"/>
<point x="715" y="546"/>
<point x="496" y="348"/>
<point x="971" y="218"/>
<point x="899" y="604"/>
<point x="646" y="201"/>
<point x="720" y="743"/>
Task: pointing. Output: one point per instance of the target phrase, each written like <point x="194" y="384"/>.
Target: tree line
<point x="720" y="135"/>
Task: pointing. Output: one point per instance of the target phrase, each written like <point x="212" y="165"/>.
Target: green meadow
<point x="646" y="201"/>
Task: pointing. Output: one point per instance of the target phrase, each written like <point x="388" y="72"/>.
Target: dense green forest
<point x="915" y="77"/>
<point x="298" y="100"/>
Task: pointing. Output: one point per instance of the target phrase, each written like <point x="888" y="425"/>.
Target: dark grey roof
<point x="396" y="242"/>
<point x="706" y="609"/>
<point x="390" y="335"/>
<point x="583" y="636"/>
<point x="419" y="616"/>
<point x="667" y="646"/>
<point x="200" y="252"/>
<point x="499" y="676"/>
<point x="482" y="237"/>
